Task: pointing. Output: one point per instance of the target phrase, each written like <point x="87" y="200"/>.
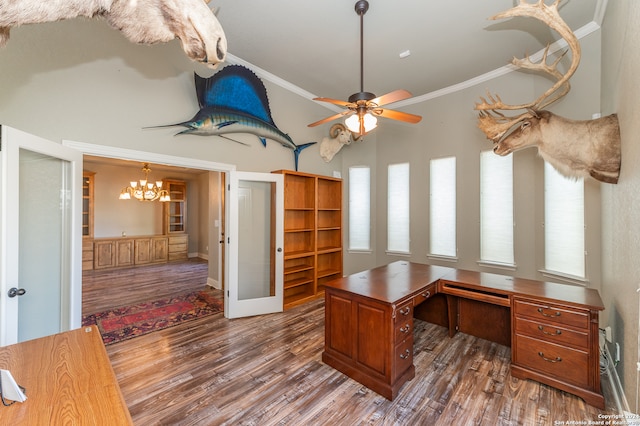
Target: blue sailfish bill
<point x="234" y="100"/>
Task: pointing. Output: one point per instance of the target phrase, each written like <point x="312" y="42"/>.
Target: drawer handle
<point x="405" y="311"/>
<point x="541" y="310"/>
<point x="557" y="333"/>
<point x="405" y="329"/>
<point x="426" y="294"/>
<point x="557" y="359"/>
<point x="405" y="354"/>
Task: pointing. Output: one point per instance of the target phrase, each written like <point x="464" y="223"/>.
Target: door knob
<point x="13" y="292"/>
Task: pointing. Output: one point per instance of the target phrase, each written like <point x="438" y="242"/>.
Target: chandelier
<point x="144" y="190"/>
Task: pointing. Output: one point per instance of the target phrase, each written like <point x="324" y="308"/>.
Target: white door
<point x="254" y="244"/>
<point x="40" y="241"/>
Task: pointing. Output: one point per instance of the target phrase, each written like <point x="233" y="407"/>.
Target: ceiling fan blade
<point x="335" y="101"/>
<point x="333" y="117"/>
<point x="397" y="115"/>
<point x="391" y="97"/>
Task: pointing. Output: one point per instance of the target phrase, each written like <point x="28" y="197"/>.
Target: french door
<point x="40" y="241"/>
<point x="254" y="243"/>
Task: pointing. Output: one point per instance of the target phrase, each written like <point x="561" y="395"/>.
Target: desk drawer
<point x="551" y="333"/>
<point x="424" y="295"/>
<point x="404" y="330"/>
<point x="563" y="363"/>
<point x="404" y="312"/>
<point x="403" y="357"/>
<point x="551" y="313"/>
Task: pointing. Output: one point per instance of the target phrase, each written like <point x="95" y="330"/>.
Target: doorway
<point x="208" y="178"/>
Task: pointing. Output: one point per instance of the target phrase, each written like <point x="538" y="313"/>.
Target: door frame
<point x="152" y="157"/>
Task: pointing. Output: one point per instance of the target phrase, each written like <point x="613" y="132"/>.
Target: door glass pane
<point x="44" y="243"/>
<point x="255" y="247"/>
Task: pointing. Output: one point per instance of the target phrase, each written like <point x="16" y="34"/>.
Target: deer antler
<point x="495" y="126"/>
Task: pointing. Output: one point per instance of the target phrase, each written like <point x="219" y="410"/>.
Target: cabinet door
<point x="159" y="249"/>
<point x="104" y="254"/>
<point x="142" y="251"/>
<point x="124" y="253"/>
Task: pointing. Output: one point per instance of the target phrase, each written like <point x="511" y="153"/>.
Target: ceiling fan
<point x="363" y="108"/>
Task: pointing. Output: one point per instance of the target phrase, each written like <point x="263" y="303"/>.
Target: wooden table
<point x="552" y="328"/>
<point x="68" y="380"/>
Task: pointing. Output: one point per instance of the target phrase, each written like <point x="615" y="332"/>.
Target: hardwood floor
<point x="109" y="288"/>
<point x="267" y="370"/>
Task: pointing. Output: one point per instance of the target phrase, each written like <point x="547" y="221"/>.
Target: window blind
<point x="398" y="239"/>
<point x="442" y="207"/>
<point x="359" y="208"/>
<point x="563" y="223"/>
<point x="496" y="208"/>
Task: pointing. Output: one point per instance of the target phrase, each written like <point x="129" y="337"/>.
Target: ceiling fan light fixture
<point x="369" y="122"/>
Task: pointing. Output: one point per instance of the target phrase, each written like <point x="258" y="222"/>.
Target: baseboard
<point x="213" y="283"/>
<point x="204" y="256"/>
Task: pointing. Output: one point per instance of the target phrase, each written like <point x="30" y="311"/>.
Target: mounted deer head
<point x="141" y="21"/>
<point x="574" y="148"/>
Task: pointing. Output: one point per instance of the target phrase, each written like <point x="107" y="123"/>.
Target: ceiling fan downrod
<point x="361" y="8"/>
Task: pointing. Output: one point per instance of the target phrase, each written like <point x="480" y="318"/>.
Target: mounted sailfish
<point x="234" y="100"/>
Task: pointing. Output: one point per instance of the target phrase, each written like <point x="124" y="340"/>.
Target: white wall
<point x="448" y="128"/>
<point x="82" y="81"/>
<point x="621" y="202"/>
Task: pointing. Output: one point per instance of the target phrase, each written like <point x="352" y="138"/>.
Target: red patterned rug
<point x="126" y="322"/>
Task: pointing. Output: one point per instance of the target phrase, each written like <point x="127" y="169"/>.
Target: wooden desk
<point x="68" y="380"/>
<point x="552" y="328"/>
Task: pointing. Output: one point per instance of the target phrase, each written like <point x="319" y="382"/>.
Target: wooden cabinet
<point x="369" y="341"/>
<point x="151" y="250"/>
<point x="87" y="254"/>
<point x="312" y="234"/>
<point x="87" y="204"/>
<point x="369" y="323"/>
<point x="141" y="250"/>
<point x="557" y="344"/>
<point x="175" y="211"/>
<point x="87" y="220"/>
<point x="178" y="246"/>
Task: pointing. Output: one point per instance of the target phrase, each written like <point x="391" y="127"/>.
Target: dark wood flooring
<point x="109" y="288"/>
<point x="267" y="370"/>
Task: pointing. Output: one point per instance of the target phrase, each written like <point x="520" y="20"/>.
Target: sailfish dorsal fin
<point x="234" y="88"/>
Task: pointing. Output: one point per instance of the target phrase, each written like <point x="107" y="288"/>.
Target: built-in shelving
<point x="312" y="234"/>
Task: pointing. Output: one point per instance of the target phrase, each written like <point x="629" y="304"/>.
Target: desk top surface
<point x="391" y="283"/>
<point x="395" y="281"/>
<point x="68" y="380"/>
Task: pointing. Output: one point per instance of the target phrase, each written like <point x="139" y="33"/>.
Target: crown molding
<point x="580" y="33"/>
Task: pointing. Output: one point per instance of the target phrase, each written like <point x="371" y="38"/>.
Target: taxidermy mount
<point x="141" y="21"/>
<point x="234" y="100"/>
<point x="573" y="148"/>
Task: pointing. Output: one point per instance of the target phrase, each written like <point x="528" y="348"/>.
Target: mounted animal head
<point x="141" y="21"/>
<point x="329" y="147"/>
<point x="574" y="148"/>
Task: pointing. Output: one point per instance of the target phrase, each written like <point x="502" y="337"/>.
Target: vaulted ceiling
<point x="314" y="46"/>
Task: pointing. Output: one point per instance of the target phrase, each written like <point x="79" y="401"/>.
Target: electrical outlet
<point x="607" y="334"/>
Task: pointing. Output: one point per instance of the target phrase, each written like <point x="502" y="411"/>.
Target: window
<point x="359" y="208"/>
<point x="442" y="207"/>
<point x="398" y="238"/>
<point x="563" y="223"/>
<point x="496" y="208"/>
